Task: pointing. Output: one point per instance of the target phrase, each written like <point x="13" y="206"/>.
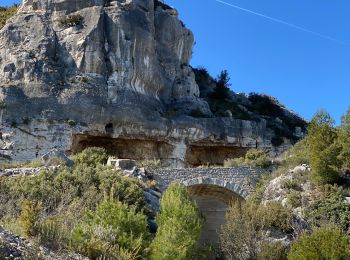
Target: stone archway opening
<point x="214" y="202"/>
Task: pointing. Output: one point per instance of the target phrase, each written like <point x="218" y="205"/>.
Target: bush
<point x="112" y="224"/>
<point x="257" y="196"/>
<point x="246" y="226"/>
<point x="179" y="225"/>
<point x="323" y="243"/>
<point x="29" y="218"/>
<point x="272" y="251"/>
<point x="294" y="199"/>
<point x="274" y="215"/>
<point x="91" y="157"/>
<point x="330" y="208"/>
<point x="149" y="164"/>
<point x="64" y="197"/>
<point x="53" y="234"/>
<point x="291" y="184"/>
<point x="255" y="158"/>
<point x="71" y="20"/>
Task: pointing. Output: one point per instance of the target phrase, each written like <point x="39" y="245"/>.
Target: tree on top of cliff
<point x="222" y="88"/>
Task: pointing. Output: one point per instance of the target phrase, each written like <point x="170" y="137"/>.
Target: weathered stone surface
<point x="26" y="171"/>
<point x="121" y="73"/>
<point x="240" y="181"/>
<point x="56" y="156"/>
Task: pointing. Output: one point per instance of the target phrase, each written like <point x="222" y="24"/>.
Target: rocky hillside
<point x="116" y="74"/>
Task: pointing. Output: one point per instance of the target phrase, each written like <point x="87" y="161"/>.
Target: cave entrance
<point x="135" y="149"/>
<point x="213" y="202"/>
<point x="198" y="155"/>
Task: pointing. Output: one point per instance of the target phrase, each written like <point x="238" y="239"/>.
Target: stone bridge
<point x="212" y="189"/>
<point x="240" y="181"/>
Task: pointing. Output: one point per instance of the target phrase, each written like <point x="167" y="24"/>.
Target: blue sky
<point x="304" y="71"/>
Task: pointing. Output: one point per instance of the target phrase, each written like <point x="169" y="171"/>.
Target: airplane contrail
<point x="283" y="22"/>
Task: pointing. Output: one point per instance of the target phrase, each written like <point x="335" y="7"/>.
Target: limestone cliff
<point x="77" y="73"/>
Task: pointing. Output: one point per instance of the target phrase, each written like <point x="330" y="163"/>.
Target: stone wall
<point x="239" y="180"/>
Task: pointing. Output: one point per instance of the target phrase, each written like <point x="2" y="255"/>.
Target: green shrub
<point x="64" y="197"/>
<point x="91" y="157"/>
<point x="255" y="158"/>
<point x="240" y="236"/>
<point x="294" y="199"/>
<point x="179" y="225"/>
<point x="299" y="154"/>
<point x="149" y="164"/>
<point x="272" y="251"/>
<point x="112" y="224"/>
<point x="247" y="223"/>
<point x="71" y="20"/>
<point x="291" y="184"/>
<point x="29" y="218"/>
<point x="124" y="189"/>
<point x="53" y="234"/>
<point x="330" y="208"/>
<point x="274" y="215"/>
<point x="323" y="243"/>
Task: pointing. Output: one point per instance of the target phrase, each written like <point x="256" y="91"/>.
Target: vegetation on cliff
<point x="225" y="103"/>
<point x="6" y="13"/>
<point x="93" y="210"/>
<point x="315" y="202"/>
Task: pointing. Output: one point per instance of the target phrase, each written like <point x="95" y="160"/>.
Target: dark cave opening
<point x="136" y="149"/>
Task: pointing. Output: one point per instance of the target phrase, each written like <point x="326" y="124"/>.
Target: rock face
<point x="78" y="73"/>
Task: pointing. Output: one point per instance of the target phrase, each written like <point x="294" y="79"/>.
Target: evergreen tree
<point x="222" y="88"/>
<point x="344" y="142"/>
<point x="179" y="225"/>
<point x="324" y="150"/>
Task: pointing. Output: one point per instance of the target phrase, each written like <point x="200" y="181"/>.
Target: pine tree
<point x="222" y="88"/>
<point x="344" y="142"/>
<point x="324" y="150"/>
<point x="179" y="226"/>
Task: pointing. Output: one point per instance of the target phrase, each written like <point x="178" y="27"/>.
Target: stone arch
<point x="229" y="185"/>
<point x="213" y="197"/>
